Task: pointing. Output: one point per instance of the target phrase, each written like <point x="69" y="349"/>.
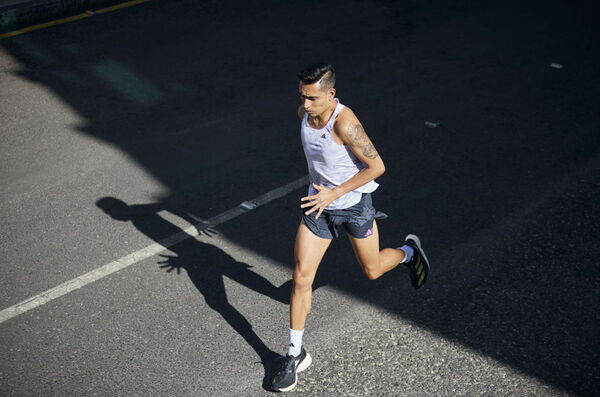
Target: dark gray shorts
<point x="356" y="220"/>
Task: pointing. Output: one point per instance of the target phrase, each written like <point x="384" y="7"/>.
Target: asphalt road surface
<point x="123" y="129"/>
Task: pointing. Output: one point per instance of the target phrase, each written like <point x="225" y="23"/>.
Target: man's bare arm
<point x="356" y="138"/>
<point x="352" y="133"/>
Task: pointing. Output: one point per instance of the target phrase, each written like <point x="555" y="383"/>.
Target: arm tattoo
<point x="359" y="138"/>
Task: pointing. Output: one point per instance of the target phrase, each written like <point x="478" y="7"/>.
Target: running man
<point x="342" y="165"/>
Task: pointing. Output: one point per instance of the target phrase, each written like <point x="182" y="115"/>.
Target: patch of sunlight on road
<point x="39" y="124"/>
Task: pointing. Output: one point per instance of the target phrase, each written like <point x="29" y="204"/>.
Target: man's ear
<point x="331" y="93"/>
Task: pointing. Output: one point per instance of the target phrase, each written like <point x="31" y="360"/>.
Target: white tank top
<point x="331" y="164"/>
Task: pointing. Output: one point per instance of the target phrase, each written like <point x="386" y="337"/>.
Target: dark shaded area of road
<point x="203" y="97"/>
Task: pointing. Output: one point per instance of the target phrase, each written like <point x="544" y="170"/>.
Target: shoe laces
<point x="289" y="364"/>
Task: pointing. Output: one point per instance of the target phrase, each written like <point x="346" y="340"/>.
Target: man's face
<point x="314" y="99"/>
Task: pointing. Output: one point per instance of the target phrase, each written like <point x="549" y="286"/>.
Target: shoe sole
<point x="303" y="365"/>
<point x="418" y="242"/>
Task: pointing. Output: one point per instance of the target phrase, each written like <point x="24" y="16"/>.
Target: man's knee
<point x="372" y="272"/>
<point x="302" y="279"/>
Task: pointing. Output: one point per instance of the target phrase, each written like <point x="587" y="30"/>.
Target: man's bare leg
<point x="308" y="252"/>
<point x="373" y="261"/>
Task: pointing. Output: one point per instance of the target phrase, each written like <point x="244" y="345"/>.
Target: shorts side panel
<point x="359" y="222"/>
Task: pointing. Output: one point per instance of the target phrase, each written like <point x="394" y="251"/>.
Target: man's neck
<point x="322" y="119"/>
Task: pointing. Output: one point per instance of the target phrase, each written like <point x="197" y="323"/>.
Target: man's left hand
<point x="319" y="201"/>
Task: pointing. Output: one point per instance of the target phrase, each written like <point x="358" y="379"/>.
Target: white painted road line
<point x="146" y="252"/>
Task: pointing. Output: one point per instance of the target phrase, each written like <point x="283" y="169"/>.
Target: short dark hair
<point x="323" y="72"/>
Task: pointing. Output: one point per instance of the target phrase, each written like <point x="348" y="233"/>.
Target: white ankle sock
<point x="408" y="251"/>
<point x="295" y="342"/>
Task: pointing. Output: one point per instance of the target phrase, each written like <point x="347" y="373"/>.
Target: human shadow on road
<point x="206" y="266"/>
